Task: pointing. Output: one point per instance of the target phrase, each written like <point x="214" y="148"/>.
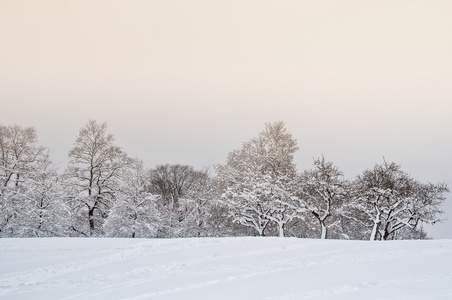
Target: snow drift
<point x="224" y="268"/>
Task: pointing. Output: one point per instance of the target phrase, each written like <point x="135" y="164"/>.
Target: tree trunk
<point x="324" y="230"/>
<point x="373" y="235"/>
<point x="281" y="229"/>
<point x="377" y="222"/>
<point x="91" y="220"/>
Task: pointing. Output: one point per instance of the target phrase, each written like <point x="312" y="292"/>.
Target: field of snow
<point x="224" y="268"/>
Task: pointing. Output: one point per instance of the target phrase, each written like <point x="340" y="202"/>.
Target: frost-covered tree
<point x="322" y="191"/>
<point x="20" y="155"/>
<point x="45" y="212"/>
<point x="392" y="200"/>
<point x="134" y="214"/>
<point x="93" y="174"/>
<point x="198" y="206"/>
<point x="250" y="202"/>
<point x="257" y="179"/>
<point x="260" y="201"/>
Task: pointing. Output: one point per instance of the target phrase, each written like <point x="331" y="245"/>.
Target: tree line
<point x="258" y="191"/>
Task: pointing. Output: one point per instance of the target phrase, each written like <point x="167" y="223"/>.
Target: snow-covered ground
<point x="224" y="268"/>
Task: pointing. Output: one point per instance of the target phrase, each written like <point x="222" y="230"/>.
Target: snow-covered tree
<point x="257" y="179"/>
<point x="19" y="153"/>
<point x="198" y="205"/>
<point x="260" y="201"/>
<point x="250" y="202"/>
<point x="20" y="156"/>
<point x="322" y="191"/>
<point x="46" y="214"/>
<point x="93" y="174"/>
<point x="134" y="214"/>
<point x="392" y="200"/>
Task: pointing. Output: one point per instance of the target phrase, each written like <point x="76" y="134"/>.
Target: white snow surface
<point x="224" y="268"/>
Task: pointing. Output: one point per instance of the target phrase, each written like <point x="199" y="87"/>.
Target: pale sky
<point x="189" y="81"/>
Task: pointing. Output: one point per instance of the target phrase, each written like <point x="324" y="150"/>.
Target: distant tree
<point x="257" y="179"/>
<point x="172" y="182"/>
<point x="178" y="187"/>
<point x="393" y="201"/>
<point x="408" y="233"/>
<point x="93" y="173"/>
<point x="321" y="192"/>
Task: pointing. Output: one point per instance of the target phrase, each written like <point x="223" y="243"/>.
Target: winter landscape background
<point x="186" y="84"/>
<point x="362" y="88"/>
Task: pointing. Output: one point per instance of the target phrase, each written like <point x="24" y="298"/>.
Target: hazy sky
<point x="189" y="81"/>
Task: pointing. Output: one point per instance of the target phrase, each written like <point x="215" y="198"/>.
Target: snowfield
<point x="224" y="268"/>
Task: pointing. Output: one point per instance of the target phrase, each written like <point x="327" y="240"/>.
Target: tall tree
<point x="257" y="179"/>
<point x="93" y="172"/>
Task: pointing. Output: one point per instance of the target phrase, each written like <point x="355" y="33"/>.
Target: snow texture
<point x="224" y="268"/>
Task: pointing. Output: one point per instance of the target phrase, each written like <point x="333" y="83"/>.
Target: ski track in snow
<point x="184" y="268"/>
<point x="379" y="283"/>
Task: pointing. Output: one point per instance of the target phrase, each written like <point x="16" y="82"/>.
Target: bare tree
<point x="179" y="187"/>
<point x="172" y="182"/>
